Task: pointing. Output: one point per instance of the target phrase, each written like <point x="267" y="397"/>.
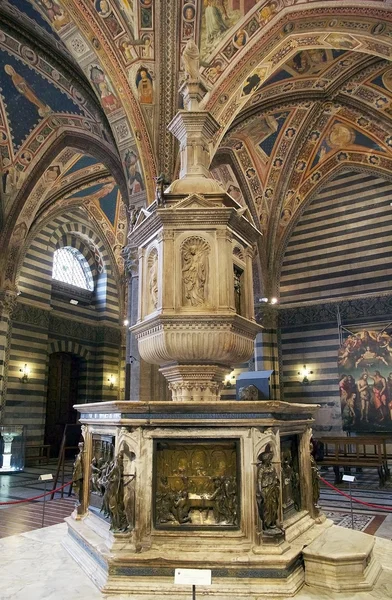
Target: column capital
<point x="131" y="260"/>
<point x="8" y="300"/>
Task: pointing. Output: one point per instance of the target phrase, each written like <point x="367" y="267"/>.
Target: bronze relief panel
<point x="196" y="484"/>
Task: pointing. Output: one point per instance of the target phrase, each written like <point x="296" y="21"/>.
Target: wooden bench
<point x="354" y="452"/>
<point x="371" y="440"/>
<point x="37" y="452"/>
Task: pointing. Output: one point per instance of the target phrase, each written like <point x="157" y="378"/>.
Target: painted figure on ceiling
<point x="126" y="49"/>
<point x="144" y="86"/>
<point x="240" y="39"/>
<point x="148" y="48"/>
<point x="215" y="24"/>
<point x="54" y="12"/>
<point x="189" y="18"/>
<point x="24" y="88"/>
<point x="134" y="178"/>
<point x="103" y="8"/>
<point x="108" y="99"/>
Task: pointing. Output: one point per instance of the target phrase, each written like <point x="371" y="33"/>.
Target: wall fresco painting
<point x="365" y="381"/>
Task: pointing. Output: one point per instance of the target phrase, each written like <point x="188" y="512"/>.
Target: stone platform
<point x="37" y="567"/>
<point x="342" y="562"/>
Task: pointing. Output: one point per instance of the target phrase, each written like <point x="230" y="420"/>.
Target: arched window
<point x="70" y="266"/>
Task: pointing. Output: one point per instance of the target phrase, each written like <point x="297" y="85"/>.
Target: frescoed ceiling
<point x="298" y="89"/>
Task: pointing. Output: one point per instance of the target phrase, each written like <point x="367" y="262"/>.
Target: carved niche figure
<point x="78" y="474"/>
<point x="113" y="505"/>
<point x="268" y="493"/>
<point x="291" y="486"/>
<point x="194" y="271"/>
<point x="153" y="278"/>
<point x="315" y="479"/>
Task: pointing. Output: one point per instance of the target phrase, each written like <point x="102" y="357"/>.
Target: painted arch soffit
<point x="285" y="152"/>
<point x="39" y="102"/>
<point x="361" y="28"/>
<point x="111" y="48"/>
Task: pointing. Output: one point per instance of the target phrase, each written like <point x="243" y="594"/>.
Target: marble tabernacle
<point x="195" y="482"/>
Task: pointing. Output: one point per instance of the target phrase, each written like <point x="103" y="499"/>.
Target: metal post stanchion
<point x="43" y="507"/>
<point x="350" y="479"/>
<point x="45" y="478"/>
<point x="193" y="592"/>
<point x="351" y="506"/>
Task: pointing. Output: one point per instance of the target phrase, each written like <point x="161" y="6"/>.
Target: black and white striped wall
<point x="43" y="323"/>
<point x="336" y="266"/>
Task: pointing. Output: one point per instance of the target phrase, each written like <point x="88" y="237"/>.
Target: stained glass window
<point x="70" y="266"/>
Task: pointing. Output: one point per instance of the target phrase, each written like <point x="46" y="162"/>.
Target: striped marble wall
<point x="336" y="265"/>
<point x="44" y="322"/>
<point x="340" y="246"/>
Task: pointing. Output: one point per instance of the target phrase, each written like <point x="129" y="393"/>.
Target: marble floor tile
<point x="35" y="566"/>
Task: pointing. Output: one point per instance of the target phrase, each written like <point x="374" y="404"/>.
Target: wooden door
<point x="62" y="394"/>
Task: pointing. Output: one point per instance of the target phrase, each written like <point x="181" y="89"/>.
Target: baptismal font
<point x="195" y="482"/>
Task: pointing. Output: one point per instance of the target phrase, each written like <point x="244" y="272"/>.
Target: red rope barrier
<point x="388" y="508"/>
<point x="36" y="497"/>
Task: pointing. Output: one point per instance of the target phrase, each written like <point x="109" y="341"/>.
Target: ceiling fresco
<point x="27" y="100"/>
<point x="297" y="88"/>
<point x="31" y="11"/>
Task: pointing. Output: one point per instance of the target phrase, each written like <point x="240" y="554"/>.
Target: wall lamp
<point x="25" y="373"/>
<point x="304" y="373"/>
<point x="112" y="381"/>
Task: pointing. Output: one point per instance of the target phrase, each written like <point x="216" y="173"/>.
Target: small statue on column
<point x="191" y="61"/>
<point x="78" y="475"/>
<point x="161" y="185"/>
<point x="268" y="494"/>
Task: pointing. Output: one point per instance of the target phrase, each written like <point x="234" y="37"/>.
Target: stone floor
<point x="35" y="566"/>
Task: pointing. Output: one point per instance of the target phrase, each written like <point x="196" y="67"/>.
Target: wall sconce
<point x="112" y="381"/>
<point x="25" y="373"/>
<point x="229" y="380"/>
<point x="304" y="373"/>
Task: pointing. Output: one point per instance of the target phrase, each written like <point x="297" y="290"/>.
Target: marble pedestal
<point x="246" y="561"/>
<point x="342" y="560"/>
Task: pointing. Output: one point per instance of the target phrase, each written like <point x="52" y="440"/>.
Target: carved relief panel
<point x="102" y="455"/>
<point x="195" y="258"/>
<point x="152" y="281"/>
<point x="196" y="484"/>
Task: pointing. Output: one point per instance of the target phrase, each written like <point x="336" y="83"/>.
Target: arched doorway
<point x="63" y="386"/>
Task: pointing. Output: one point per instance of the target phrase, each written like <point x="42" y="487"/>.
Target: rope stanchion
<point x="36" y="497"/>
<point x="379" y="506"/>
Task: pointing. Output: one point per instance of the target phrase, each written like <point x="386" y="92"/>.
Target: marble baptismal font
<point x="196" y="482"/>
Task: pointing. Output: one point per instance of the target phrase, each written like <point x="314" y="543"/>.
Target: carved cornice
<point x="31" y="315"/>
<point x="28" y="314"/>
<point x="351" y="311"/>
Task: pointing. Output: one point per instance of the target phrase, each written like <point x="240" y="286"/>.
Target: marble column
<point x="7" y="306"/>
